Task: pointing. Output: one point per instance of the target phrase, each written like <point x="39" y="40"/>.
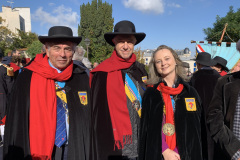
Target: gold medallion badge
<point x="190" y="104"/>
<point x="168" y="129"/>
<point x="83" y="97"/>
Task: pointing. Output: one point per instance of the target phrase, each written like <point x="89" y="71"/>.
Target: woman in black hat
<point x="221" y="66"/>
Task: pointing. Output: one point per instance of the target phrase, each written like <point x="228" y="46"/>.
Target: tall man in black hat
<point x="117" y="86"/>
<point x="223" y="117"/>
<point x="49" y="115"/>
<point x="204" y="81"/>
<point x="221" y="66"/>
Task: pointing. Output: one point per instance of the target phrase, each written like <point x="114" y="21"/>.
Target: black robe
<point x="102" y="137"/>
<point x="204" y="81"/>
<point x="16" y="142"/>
<point x="187" y="125"/>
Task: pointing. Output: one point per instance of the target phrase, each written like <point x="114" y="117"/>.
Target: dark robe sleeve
<point x="220" y="133"/>
<point x="16" y="140"/>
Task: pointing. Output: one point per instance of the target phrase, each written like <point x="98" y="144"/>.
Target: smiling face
<point x="165" y="63"/>
<point x="124" y="45"/>
<point x="60" y="54"/>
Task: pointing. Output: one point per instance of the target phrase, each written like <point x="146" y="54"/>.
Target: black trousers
<point x="60" y="153"/>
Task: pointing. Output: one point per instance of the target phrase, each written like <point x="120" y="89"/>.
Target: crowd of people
<point x="61" y="107"/>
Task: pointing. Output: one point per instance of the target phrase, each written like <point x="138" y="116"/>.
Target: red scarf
<point x="166" y="92"/>
<point x="116" y="96"/>
<point x="42" y="116"/>
<point x="223" y="73"/>
<point x="14" y="66"/>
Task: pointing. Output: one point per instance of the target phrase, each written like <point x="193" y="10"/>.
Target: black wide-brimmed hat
<point x="124" y="27"/>
<point x="59" y="33"/>
<point x="205" y="59"/>
<point x="221" y="61"/>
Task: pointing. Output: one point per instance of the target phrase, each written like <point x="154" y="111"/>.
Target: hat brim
<point x="44" y="39"/>
<point x="224" y="67"/>
<point x="209" y="63"/>
<point x="110" y="35"/>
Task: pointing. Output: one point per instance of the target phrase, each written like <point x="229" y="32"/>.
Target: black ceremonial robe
<point x="188" y="125"/>
<point x="16" y="142"/>
<point x="102" y="138"/>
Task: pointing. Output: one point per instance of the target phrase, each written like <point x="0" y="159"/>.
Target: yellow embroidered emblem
<point x="144" y="79"/>
<point x="83" y="97"/>
<point x="190" y="104"/>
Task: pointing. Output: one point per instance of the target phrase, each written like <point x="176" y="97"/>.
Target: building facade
<point x="16" y="19"/>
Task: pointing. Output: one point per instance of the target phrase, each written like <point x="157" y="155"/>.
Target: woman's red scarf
<point x="14" y="66"/>
<point x="166" y="92"/>
<point x="116" y="96"/>
<point x="42" y="116"/>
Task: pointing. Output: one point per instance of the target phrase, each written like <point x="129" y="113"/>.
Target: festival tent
<point x="226" y="50"/>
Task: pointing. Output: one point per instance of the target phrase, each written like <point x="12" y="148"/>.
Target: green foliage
<point x="96" y="20"/>
<point x="6" y="37"/>
<point x="233" y="29"/>
<point x="34" y="48"/>
<point x="24" y="39"/>
<point x="139" y="55"/>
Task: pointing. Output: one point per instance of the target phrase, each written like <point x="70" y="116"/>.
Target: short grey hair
<point x="79" y="53"/>
<point x="155" y="77"/>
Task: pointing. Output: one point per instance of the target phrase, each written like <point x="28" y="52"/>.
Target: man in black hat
<point x="223" y="117"/>
<point x="49" y="115"/>
<point x="204" y="81"/>
<point x="117" y="87"/>
<point x="221" y="66"/>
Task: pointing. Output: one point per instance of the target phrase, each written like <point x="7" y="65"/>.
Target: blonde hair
<point x="155" y="77"/>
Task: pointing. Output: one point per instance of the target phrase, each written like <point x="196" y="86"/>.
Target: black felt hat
<point x="204" y="58"/>
<point x="59" y="33"/>
<point x="221" y="61"/>
<point x="124" y="27"/>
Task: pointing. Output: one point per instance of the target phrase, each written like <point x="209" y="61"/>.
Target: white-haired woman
<point x="171" y="115"/>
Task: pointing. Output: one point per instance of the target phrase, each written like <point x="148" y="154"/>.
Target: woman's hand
<point x="169" y="154"/>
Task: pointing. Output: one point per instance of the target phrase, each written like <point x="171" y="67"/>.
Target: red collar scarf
<point x="166" y="92"/>
<point x="117" y="100"/>
<point x="14" y="66"/>
<point x="42" y="117"/>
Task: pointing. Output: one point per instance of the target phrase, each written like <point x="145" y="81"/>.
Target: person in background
<point x="7" y="60"/>
<point x="221" y="66"/>
<point x="172" y="114"/>
<point x="48" y="116"/>
<point x="204" y="81"/>
<point x="223" y="117"/>
<point x="78" y="59"/>
<point x="117" y="86"/>
<point x="95" y="64"/>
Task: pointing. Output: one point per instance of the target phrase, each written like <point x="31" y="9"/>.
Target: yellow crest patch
<point x="83" y="97"/>
<point x="190" y="104"/>
<point x="144" y="79"/>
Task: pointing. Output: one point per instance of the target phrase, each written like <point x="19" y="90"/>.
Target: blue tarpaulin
<point x="229" y="53"/>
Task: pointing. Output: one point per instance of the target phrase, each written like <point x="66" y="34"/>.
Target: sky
<point x="170" y="22"/>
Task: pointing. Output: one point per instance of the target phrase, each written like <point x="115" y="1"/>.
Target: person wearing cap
<point x="224" y="116"/>
<point x="7" y="60"/>
<point x="204" y="81"/>
<point x="49" y="115"/>
<point x="117" y="86"/>
<point x="221" y="66"/>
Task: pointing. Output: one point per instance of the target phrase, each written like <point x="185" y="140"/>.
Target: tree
<point x="233" y="29"/>
<point x="34" y="48"/>
<point x="139" y="55"/>
<point x="96" y="20"/>
<point x="24" y="39"/>
<point x="6" y="39"/>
